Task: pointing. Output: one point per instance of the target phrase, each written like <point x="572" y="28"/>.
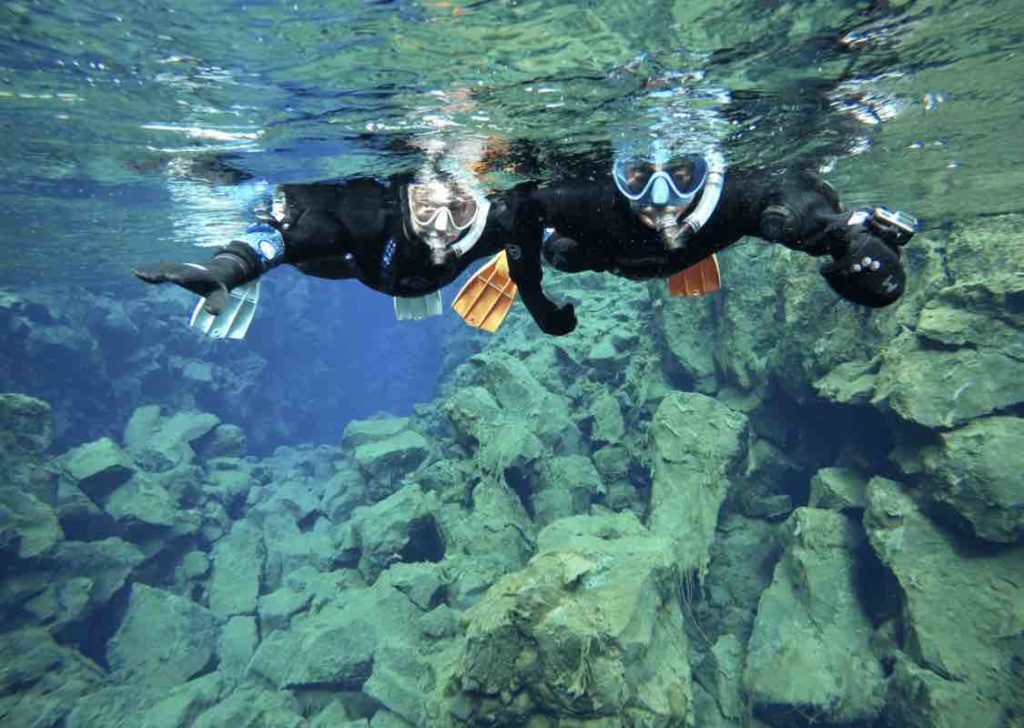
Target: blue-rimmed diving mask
<point x="648" y="183"/>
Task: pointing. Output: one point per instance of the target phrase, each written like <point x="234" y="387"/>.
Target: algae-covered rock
<point x="334" y="648"/>
<point x="238" y="560"/>
<point x="743" y="558"/>
<point x="277" y="608"/>
<point x="422" y="583"/>
<point x="388" y="460"/>
<point x="721" y="673"/>
<point x="400" y="682"/>
<point x="31" y="523"/>
<point x="253" y="707"/>
<point x="698" y="442"/>
<point x="810" y="649"/>
<point x="26" y="426"/>
<point x="942" y="388"/>
<point x="490" y="540"/>
<point x="238" y="641"/>
<point x="605" y="416"/>
<point x="962" y="615"/>
<point x="838" y="489"/>
<point x="363" y="432"/>
<point x="41" y="681"/>
<point x="978" y="469"/>
<point x="401" y="527"/>
<point x="184" y="703"/>
<point x="164" y="639"/>
<point x="143" y="504"/>
<point x="225" y="441"/>
<point x="590" y="629"/>
<point x="160" y="443"/>
<point x="686" y="328"/>
<point x="98" y="468"/>
<point x="567" y="485"/>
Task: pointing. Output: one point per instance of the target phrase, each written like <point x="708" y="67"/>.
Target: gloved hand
<point x="229" y="267"/>
<point x="556" y="320"/>
<point x="869" y="273"/>
<point x="198" y="279"/>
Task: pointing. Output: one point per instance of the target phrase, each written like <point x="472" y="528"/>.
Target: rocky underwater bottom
<point x="763" y="508"/>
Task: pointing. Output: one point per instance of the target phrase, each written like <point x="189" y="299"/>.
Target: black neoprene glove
<point x="231" y="266"/>
<point x="869" y="273"/>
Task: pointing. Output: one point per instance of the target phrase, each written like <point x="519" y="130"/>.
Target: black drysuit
<point x="595" y="229"/>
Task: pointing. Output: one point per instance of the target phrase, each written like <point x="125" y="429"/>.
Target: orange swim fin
<point x="699" y="279"/>
<point x="486" y="298"/>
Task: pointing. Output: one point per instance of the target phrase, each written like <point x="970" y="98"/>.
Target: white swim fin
<point x="414" y="309"/>
<point x="234" y="320"/>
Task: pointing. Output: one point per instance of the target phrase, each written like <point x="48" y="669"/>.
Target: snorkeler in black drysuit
<point x="406" y="237"/>
<point x="663" y="214"/>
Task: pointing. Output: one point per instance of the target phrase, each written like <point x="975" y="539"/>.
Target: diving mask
<point x="651" y="184"/>
<point x="442" y="208"/>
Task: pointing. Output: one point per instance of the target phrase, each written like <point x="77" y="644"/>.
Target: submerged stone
<point x="99" y="468"/>
<point x="810" y="624"/>
<point x="29" y="522"/>
<point x="838" y="489"/>
<point x="590" y="629"/>
<point x="978" y="469"/>
<point x="164" y="639"/>
<point x="698" y="443"/>
<point x="238" y="560"/>
<point x="962" y="615"/>
<point x="26" y="427"/>
<point x="363" y="432"/>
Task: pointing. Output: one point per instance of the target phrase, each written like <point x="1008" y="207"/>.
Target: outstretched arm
<point x="802" y="212"/>
<point x="522" y="218"/>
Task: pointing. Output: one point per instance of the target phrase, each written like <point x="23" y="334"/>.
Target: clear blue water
<point x="917" y="104"/>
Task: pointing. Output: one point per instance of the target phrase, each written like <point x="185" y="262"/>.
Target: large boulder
<point x="386" y="462"/>
<point x="32" y="524"/>
<point x="164" y="639"/>
<point x="566" y="486"/>
<point x="184" y="703"/>
<point x="98" y="468"/>
<point x="810" y="624"/>
<point x="253" y="707"/>
<point x="591" y="629"/>
<point x="364" y="432"/>
<point x="484" y="542"/>
<point x="402" y="527"/>
<point x="41" y="681"/>
<point x="963" y="618"/>
<point x="26" y="434"/>
<point x="238" y="561"/>
<point x="978" y="470"/>
<point x="26" y="427"/>
<point x="838" y="489"/>
<point x="698" y="443"/>
<point x="334" y="648"/>
<point x="159" y="443"/>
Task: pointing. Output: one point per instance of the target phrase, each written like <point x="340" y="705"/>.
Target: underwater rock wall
<point x="761" y="508"/>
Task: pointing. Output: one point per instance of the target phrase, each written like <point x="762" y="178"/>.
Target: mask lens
<point x="687" y="174"/>
<point x="635" y="174"/>
<point x="463" y="212"/>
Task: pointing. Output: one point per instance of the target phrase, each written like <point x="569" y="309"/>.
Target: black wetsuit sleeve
<point x="523" y="249"/>
<point x="801" y="211"/>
